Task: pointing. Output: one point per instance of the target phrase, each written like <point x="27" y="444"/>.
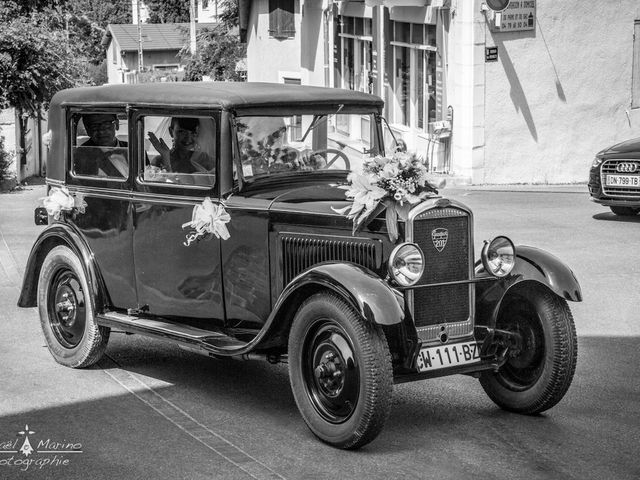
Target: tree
<point x="217" y="55"/>
<point x="168" y="11"/>
<point x="218" y="49"/>
<point x="35" y="62"/>
<point x="230" y="13"/>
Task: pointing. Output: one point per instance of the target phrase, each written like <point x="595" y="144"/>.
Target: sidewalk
<point x="540" y="188"/>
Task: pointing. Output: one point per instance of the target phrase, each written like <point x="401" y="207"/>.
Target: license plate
<point x="434" y="358"/>
<point x="622" y="181"/>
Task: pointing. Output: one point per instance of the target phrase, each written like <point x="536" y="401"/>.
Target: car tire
<point x="340" y="372"/>
<point x="66" y="311"/>
<point x="539" y="376"/>
<point x="625" y="211"/>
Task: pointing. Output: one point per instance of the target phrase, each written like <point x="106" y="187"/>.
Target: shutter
<point x="282" y="18"/>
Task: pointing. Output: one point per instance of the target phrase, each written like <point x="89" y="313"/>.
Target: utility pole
<point x="140" y="59"/>
<point x="192" y="26"/>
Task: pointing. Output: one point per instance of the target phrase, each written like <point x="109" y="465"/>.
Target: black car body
<point x="614" y="178"/>
<point x="291" y="282"/>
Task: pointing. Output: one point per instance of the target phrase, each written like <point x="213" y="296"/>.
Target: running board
<point x="211" y="341"/>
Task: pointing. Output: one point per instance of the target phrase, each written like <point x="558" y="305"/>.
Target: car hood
<point x="318" y="199"/>
<point x="626" y="147"/>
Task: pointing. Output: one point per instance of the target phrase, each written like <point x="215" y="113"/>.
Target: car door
<point x="100" y="172"/>
<point x="177" y="275"/>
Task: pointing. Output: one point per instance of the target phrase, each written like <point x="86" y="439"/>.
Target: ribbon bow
<point x="207" y="219"/>
<point x="60" y="200"/>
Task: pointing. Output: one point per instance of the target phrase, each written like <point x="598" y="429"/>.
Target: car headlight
<point x="596" y="162"/>
<point x="406" y="264"/>
<point x="499" y="256"/>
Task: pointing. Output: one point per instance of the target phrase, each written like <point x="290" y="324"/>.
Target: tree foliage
<point x="218" y="49"/>
<point x="6" y="159"/>
<point x="48" y="45"/>
<point x="168" y="11"/>
<point x="217" y="54"/>
<point x="35" y="62"/>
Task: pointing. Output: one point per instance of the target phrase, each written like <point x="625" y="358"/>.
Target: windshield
<point x="297" y="144"/>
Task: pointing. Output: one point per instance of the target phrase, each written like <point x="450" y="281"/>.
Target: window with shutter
<point x="281" y="18"/>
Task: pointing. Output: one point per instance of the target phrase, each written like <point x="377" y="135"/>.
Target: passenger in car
<point x="185" y="156"/>
<point x="110" y="158"/>
<point x="101" y="129"/>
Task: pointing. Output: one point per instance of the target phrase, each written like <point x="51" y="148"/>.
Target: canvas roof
<point x="155" y="36"/>
<point x="229" y="95"/>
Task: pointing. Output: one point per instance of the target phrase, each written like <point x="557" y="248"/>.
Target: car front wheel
<point x="340" y="372"/>
<point x="66" y="311"/>
<point x="538" y="374"/>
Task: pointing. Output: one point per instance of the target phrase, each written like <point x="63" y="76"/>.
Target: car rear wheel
<point x="625" y="211"/>
<point x="340" y="372"/>
<point x="537" y="376"/>
<point x="66" y="311"/>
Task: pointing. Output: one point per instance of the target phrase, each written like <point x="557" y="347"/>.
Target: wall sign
<point x="490" y="54"/>
<point x="519" y="15"/>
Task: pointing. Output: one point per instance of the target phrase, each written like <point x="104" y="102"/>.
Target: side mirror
<point x="400" y="146"/>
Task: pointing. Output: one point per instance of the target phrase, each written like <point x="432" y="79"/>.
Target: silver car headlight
<point x="499" y="256"/>
<point x="406" y="264"/>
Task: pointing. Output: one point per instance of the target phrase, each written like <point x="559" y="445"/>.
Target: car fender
<point x="532" y="265"/>
<point x="366" y="292"/>
<point x="54" y="235"/>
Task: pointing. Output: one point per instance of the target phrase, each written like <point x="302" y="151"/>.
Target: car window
<point x="99" y="145"/>
<point x="178" y="149"/>
<point x="303" y="143"/>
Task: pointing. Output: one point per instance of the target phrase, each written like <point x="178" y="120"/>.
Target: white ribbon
<point x="207" y="219"/>
<point x="60" y="200"/>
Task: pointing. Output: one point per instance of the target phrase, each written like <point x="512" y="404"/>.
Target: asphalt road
<point x="151" y="410"/>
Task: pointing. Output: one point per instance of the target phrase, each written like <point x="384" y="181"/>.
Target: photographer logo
<point x="30" y="452"/>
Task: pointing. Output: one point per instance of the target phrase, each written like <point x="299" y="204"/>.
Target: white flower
<point x="364" y="191"/>
<point x="390" y="170"/>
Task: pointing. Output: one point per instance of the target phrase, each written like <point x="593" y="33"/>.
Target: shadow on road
<point x="612" y="217"/>
<point x="446" y="425"/>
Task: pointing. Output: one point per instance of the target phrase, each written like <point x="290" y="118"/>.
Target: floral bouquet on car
<point x="393" y="184"/>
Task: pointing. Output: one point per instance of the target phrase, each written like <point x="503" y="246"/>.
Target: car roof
<point x="225" y="95"/>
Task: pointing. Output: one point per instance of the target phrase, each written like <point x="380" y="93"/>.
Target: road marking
<point x="185" y="422"/>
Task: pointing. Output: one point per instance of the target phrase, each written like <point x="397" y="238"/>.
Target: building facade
<point x="155" y="47"/>
<point x="525" y="95"/>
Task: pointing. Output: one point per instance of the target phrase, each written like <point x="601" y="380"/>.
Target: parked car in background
<point x="614" y="178"/>
<point x="212" y="215"/>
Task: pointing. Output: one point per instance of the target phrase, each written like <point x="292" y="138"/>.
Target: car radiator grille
<point x="301" y="251"/>
<point x="610" y="167"/>
<point x="443" y="304"/>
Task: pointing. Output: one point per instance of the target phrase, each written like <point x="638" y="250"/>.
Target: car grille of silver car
<point x="438" y="308"/>
<point x="610" y="167"/>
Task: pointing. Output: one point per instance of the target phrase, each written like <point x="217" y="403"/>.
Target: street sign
<point x="497" y="5"/>
<point x="490" y="54"/>
<point x="519" y="15"/>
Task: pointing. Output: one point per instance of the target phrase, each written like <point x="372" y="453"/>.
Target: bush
<point x="6" y="159"/>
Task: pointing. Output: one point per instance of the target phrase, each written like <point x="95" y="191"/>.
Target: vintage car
<point x="614" y="178"/>
<point x="247" y="253"/>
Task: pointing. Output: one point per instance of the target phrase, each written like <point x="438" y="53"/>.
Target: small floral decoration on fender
<point x="60" y="200"/>
<point x="395" y="184"/>
<point x="208" y="219"/>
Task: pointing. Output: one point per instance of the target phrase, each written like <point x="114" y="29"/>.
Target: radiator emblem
<point x="439" y="236"/>
<point x="627" y="167"/>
